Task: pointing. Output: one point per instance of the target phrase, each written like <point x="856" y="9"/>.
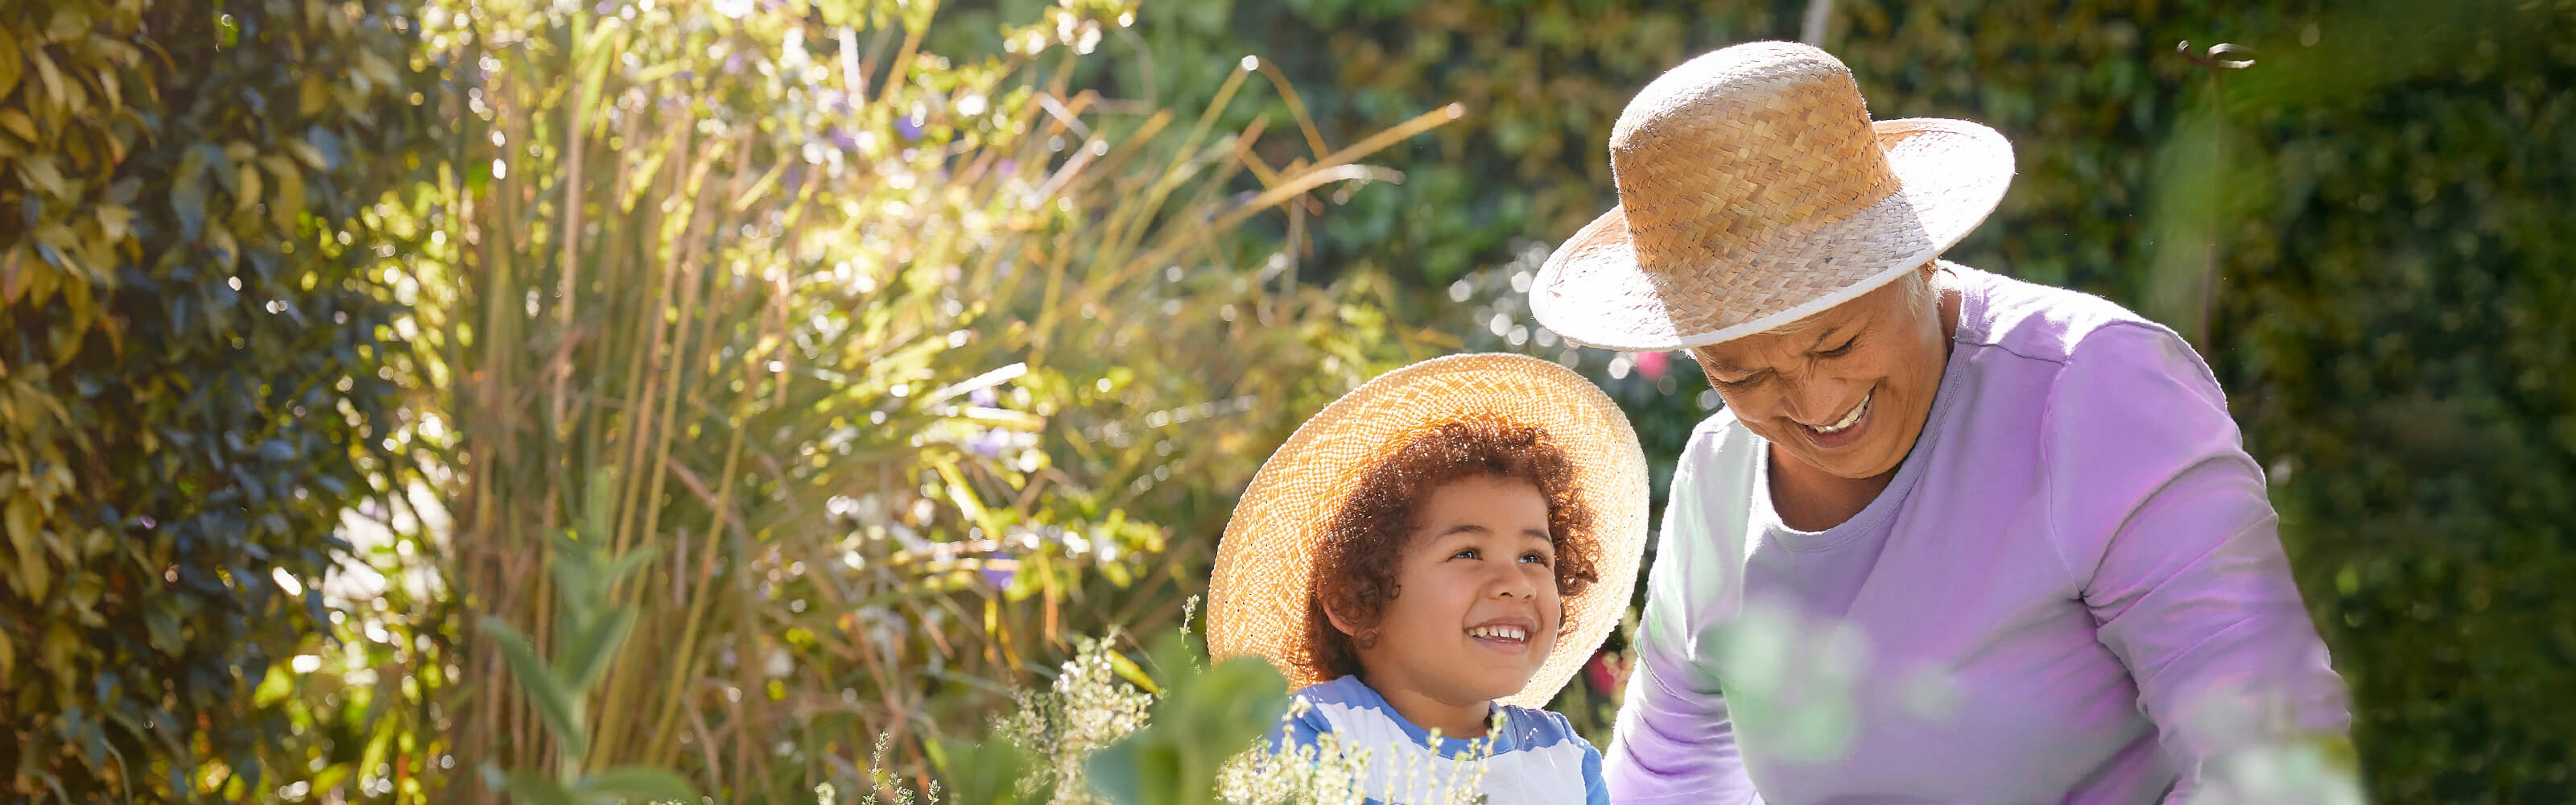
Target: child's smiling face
<point x="1476" y="609"/>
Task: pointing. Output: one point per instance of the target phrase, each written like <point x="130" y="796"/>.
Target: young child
<point x="1429" y="559"/>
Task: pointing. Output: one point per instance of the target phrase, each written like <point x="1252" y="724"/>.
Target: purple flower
<point x="842" y="139"/>
<point x="999" y="577"/>
<point x="983" y="397"/>
<point x="908" y="128"/>
<point x="989" y="443"/>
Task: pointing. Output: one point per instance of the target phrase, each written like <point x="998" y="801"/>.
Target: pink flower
<point x="1607" y="671"/>
<point x="1653" y="364"/>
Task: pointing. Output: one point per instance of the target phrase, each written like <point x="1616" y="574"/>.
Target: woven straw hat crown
<point x="1754" y="190"/>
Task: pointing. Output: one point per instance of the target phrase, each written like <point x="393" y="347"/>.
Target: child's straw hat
<point x="1264" y="566"/>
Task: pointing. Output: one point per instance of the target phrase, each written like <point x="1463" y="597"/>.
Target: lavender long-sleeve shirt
<point x="2071" y="592"/>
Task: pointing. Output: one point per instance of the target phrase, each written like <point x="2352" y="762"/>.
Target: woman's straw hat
<point x="1755" y="191"/>
<point x="1265" y="564"/>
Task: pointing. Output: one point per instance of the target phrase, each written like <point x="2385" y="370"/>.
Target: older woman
<point x="1955" y="537"/>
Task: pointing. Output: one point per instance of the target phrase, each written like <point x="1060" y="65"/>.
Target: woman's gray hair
<point x="1917" y="285"/>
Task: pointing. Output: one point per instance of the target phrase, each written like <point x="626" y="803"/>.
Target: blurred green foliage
<point x="589" y="629"/>
<point x="189" y="386"/>
<point x="2393" y="320"/>
<point x="1203" y="719"/>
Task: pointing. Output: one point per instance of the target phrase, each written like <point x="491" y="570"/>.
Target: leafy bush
<point x="189" y="356"/>
<point x="2397" y="333"/>
<point x="909" y="368"/>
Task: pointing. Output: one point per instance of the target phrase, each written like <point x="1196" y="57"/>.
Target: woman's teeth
<point x="1512" y="633"/>
<point x="1848" y="420"/>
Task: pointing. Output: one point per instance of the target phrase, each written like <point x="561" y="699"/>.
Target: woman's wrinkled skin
<point x="1879" y="356"/>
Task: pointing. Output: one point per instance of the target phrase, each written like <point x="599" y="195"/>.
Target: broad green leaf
<point x="1137" y="772"/>
<point x="288" y="206"/>
<point x="593" y="650"/>
<point x="534" y="789"/>
<point x="20" y="124"/>
<point x="116" y="220"/>
<point x="555" y="704"/>
<point x="33" y="568"/>
<point x="10" y="62"/>
<point x="188" y="191"/>
<point x="227" y="249"/>
<point x="50" y="75"/>
<point x="41" y="173"/>
<point x="249" y="187"/>
<point x="640" y="783"/>
<point x="983" y="773"/>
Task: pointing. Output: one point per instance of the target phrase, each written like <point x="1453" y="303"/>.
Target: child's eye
<point x="1464" y="553"/>
<point x="1535" y="557"/>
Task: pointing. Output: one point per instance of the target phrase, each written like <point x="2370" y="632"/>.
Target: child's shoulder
<point x="1532" y="728"/>
<point x="1326" y="707"/>
<point x="1347" y="691"/>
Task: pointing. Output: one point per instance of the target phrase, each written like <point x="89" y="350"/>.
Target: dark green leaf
<point x="592" y="651"/>
<point x="641" y="784"/>
<point x="534" y="789"/>
<point x="555" y="704"/>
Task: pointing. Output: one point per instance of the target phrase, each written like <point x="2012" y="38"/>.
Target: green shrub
<point x="2394" y="324"/>
<point x="189" y="355"/>
<point x="910" y="365"/>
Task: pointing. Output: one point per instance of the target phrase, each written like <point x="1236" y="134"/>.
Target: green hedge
<point x="188" y="370"/>
<point x="2381" y="200"/>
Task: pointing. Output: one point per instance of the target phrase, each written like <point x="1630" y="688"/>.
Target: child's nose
<point x="1511" y="585"/>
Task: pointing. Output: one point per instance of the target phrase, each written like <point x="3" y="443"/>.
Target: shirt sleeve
<point x="1673" y="741"/>
<point x="2164" y="523"/>
<point x="1299" y="729"/>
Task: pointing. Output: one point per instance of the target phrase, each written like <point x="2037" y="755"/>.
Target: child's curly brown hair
<point x="1357" y="560"/>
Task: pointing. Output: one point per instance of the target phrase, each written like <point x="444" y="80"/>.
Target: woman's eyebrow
<point x="1716" y="365"/>
<point x="1825" y="335"/>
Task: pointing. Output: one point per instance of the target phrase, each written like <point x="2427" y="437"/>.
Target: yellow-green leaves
<point x="590" y="630"/>
<point x="185" y="380"/>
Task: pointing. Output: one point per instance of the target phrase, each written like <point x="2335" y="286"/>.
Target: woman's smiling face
<point x="1845" y="391"/>
<point x="1476" y="609"/>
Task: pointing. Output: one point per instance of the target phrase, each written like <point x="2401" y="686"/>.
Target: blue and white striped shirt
<point x="1535" y="758"/>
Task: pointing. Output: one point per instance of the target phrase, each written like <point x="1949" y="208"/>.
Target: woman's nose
<point x="1818" y="401"/>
